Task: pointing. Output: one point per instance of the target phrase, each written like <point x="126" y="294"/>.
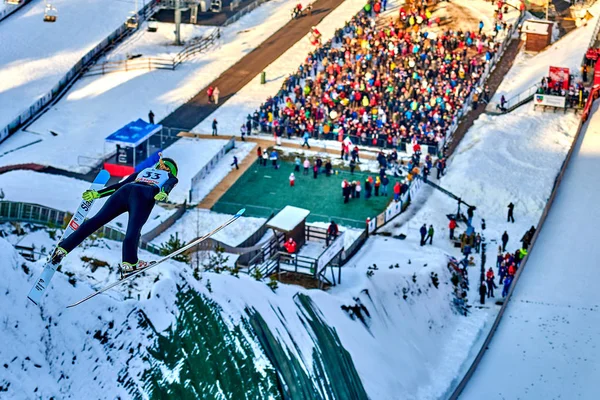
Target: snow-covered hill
<point x="112" y="347"/>
<point x="35" y="55"/>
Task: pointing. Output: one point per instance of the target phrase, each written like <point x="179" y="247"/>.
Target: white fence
<point x="72" y="75"/>
<point x="203" y="173"/>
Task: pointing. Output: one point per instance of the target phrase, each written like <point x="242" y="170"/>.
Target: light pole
<point x="177" y="23"/>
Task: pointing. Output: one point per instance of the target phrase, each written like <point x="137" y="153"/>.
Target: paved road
<point x="231" y="81"/>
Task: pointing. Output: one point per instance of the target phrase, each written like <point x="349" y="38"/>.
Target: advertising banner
<point x="332" y="251"/>
<point x="548" y="100"/>
<point x="559" y="74"/>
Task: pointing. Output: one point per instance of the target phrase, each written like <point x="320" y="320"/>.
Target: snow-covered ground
<point x="191" y="156"/>
<point x="529" y="69"/>
<point x="35" y="55"/>
<point x="121" y="97"/>
<point x="547" y="342"/>
<point x="198" y="222"/>
<point x="64" y="194"/>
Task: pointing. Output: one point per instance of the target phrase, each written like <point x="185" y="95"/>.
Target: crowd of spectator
<point x="380" y="85"/>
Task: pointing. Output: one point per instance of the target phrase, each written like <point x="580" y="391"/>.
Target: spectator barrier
<point x="204" y="171"/>
<point x="395" y="208"/>
<point x="74" y="73"/>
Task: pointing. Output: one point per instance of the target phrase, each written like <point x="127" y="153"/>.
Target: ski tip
<point x="102" y="177"/>
<point x="239" y="213"/>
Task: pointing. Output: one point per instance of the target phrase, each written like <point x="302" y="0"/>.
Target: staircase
<point x="513" y="102"/>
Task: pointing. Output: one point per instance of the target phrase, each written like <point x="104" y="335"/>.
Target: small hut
<point x="292" y="222"/>
<point x="539" y="34"/>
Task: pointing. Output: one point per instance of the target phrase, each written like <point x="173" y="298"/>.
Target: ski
<point x="38" y="289"/>
<point x="165" y="258"/>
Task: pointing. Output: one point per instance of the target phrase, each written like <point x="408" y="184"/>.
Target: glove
<point x="161" y="196"/>
<point x="90" y="195"/>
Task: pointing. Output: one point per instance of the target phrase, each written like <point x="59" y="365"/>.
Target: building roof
<point x="134" y="133"/>
<point x="537" y="27"/>
<point x="288" y="218"/>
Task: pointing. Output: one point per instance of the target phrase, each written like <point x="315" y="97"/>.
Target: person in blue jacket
<point x="423" y="232"/>
<point x="136" y="195"/>
<point x="306" y="136"/>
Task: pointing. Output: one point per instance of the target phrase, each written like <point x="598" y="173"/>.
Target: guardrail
<point x="521" y="98"/>
<point x="133" y="64"/>
<point x="463" y="383"/>
<point x="34" y="111"/>
<point x="153" y="63"/>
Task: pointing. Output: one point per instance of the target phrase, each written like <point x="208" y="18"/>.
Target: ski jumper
<point x="134" y="195"/>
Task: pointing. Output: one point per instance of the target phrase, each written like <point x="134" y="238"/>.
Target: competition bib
<point x="156" y="177"/>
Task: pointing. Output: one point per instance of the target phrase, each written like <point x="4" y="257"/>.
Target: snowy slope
<point x="529" y="69"/>
<point x="424" y="320"/>
<point x="121" y="97"/>
<point x="198" y="222"/>
<point x="36" y="55"/>
<point x="410" y="348"/>
<point x="547" y="340"/>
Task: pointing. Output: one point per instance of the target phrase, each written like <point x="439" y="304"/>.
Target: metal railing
<point x="521" y="98"/>
<point x="133" y="64"/>
<point x="153" y="63"/>
<point x="28" y="212"/>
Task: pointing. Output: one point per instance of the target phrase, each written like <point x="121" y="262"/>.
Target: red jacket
<point x="452" y="224"/>
<point x="511" y="270"/>
<point x="290" y="246"/>
<point x="397" y="188"/>
<point x="490" y="274"/>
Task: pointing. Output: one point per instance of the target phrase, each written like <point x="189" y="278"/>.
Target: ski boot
<point x="58" y="255"/>
<point x="128" y="268"/>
